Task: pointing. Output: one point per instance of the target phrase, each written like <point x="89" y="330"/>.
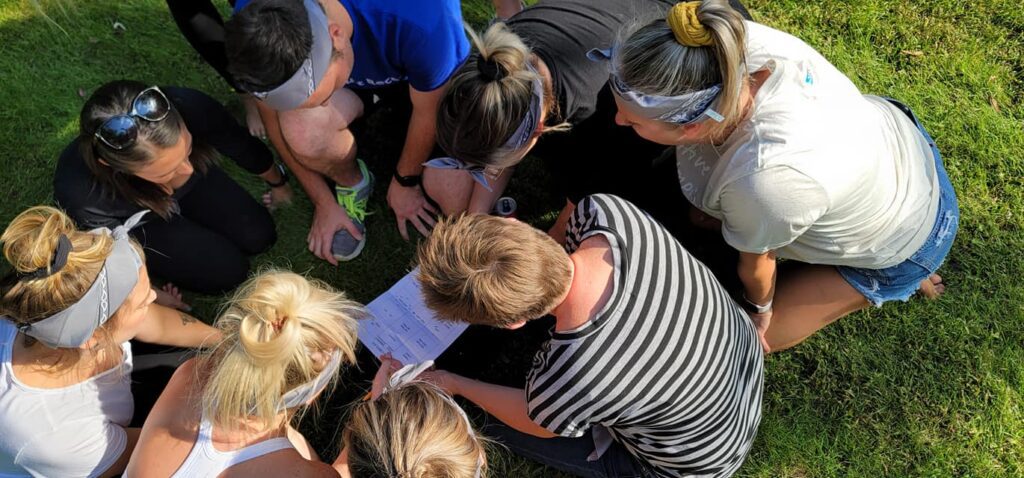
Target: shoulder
<point x="170" y="429"/>
<point x="287" y="462"/>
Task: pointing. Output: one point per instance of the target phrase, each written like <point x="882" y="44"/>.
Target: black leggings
<point x="203" y="27"/>
<point x="205" y="248"/>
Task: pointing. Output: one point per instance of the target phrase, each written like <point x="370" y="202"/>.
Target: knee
<point x="256" y="233"/>
<point x="450" y="189"/>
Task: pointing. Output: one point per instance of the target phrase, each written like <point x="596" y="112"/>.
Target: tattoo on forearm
<point x="185" y="318"/>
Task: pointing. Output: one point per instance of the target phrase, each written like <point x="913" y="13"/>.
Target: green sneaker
<point x="345" y="247"/>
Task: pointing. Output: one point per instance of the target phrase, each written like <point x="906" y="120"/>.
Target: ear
<point x="516" y="325"/>
<point x="103" y="162"/>
<point x="338" y="38"/>
<point x="92" y="343"/>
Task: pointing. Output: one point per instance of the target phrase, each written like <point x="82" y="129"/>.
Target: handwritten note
<point x="401" y="324"/>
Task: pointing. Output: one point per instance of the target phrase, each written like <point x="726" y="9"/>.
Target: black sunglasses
<point x="121" y="131"/>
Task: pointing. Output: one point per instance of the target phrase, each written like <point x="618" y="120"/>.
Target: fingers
<point x="402" y="229"/>
<point x="324" y="251"/>
<point x="418" y="224"/>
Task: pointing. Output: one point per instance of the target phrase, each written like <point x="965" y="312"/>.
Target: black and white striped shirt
<point x="671" y="366"/>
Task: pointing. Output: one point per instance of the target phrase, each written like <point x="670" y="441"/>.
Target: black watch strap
<point x="408" y="181"/>
<point x="284" y="177"/>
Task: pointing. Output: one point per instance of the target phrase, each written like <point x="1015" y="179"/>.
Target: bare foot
<point x="170" y="296"/>
<point x="252" y="117"/>
<point x="932" y="287"/>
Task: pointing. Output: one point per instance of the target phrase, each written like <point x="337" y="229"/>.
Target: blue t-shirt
<point x="419" y="41"/>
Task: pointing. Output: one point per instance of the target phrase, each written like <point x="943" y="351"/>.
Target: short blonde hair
<point x="273" y="326"/>
<point x="413" y="431"/>
<point x="492" y="271"/>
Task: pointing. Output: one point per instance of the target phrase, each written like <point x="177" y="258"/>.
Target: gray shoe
<point x="345" y="247"/>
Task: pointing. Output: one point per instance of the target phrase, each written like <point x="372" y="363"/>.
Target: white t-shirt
<point x="819" y="172"/>
<point x="74" y="431"/>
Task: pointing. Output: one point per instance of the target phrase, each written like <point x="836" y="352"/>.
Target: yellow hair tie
<point x="688" y="30"/>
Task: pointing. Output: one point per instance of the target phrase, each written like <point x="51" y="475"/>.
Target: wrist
<point x="758" y="308"/>
<point x="407" y="181"/>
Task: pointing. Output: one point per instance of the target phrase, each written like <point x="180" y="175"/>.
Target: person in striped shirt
<point x="651" y="369"/>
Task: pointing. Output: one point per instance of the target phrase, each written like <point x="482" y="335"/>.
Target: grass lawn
<point x="912" y="389"/>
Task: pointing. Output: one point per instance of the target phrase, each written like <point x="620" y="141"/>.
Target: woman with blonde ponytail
<point x="69" y="308"/>
<point x="529" y="89"/>
<point x="229" y="411"/>
<point x="781" y="151"/>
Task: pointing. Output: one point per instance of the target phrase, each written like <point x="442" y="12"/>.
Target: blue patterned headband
<point x="682" y="109"/>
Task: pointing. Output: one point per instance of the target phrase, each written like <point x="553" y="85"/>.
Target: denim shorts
<point x="902" y="280"/>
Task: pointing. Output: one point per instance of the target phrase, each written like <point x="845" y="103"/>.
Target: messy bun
<point x="274" y="328"/>
<point x="488" y="98"/>
<point x="30" y="243"/>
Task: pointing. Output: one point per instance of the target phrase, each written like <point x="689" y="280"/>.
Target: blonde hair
<point x="652" y="61"/>
<point x="479" y="114"/>
<point x="273" y="326"/>
<point x="30" y="242"/>
<point x="413" y="431"/>
<point x="488" y="270"/>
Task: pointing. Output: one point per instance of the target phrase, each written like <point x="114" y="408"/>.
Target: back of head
<point x="487" y="99"/>
<point x="274" y="328"/>
<point x="30" y="242"/>
<point x="266" y="43"/>
<point x="413" y="431"/>
<point x="492" y="271"/>
<point x="654" y="60"/>
<point x="115" y="168"/>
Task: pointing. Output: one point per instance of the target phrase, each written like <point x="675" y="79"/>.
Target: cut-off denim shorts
<point x="902" y="280"/>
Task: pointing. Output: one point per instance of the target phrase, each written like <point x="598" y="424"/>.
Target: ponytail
<point x="274" y="328"/>
<point x="699" y="45"/>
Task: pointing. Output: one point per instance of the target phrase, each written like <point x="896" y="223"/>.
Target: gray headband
<point x="682" y="109"/>
<point x="293" y="93"/>
<point x="307" y="391"/>
<point x="72" y="327"/>
<point x="519" y="139"/>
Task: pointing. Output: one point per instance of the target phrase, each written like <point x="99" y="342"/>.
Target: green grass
<point x="916" y="389"/>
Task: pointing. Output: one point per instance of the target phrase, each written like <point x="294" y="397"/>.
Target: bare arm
<point x="504" y="403"/>
<point x="409" y="204"/>
<point x="167" y="326"/>
<point x="557" y="231"/>
<point x="757" y="272"/>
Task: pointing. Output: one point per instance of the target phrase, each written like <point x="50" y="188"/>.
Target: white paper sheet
<point x="401" y="324"/>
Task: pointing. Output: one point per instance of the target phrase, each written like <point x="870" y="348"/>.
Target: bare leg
<point x="252" y="116"/>
<point x="320" y="139"/>
<point x="506" y="8"/>
<point x="449" y="188"/>
<point x="807" y="298"/>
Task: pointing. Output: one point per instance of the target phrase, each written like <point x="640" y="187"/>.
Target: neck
<point x="567" y="316"/>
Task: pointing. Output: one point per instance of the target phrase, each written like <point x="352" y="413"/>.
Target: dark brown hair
<point x="117" y="176"/>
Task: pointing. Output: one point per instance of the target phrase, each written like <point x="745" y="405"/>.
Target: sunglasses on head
<point x="121" y="131"/>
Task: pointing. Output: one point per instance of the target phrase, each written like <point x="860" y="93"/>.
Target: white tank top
<point x="206" y="461"/>
<point x="71" y="431"/>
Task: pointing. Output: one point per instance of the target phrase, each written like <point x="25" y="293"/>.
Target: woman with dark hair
<point x="153" y="148"/>
<point x="530" y="77"/>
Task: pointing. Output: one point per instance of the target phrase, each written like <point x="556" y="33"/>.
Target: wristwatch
<point x="284" y="177"/>
<point x="757" y="308"/>
<point x="408" y="181"/>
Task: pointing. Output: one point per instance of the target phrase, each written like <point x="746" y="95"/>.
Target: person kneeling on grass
<point x="229" y="411"/>
<point x="70" y="307"/>
<point x="410" y="428"/>
<point x="147" y="147"/>
<point x="780" y="151"/>
<point x="648" y="354"/>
